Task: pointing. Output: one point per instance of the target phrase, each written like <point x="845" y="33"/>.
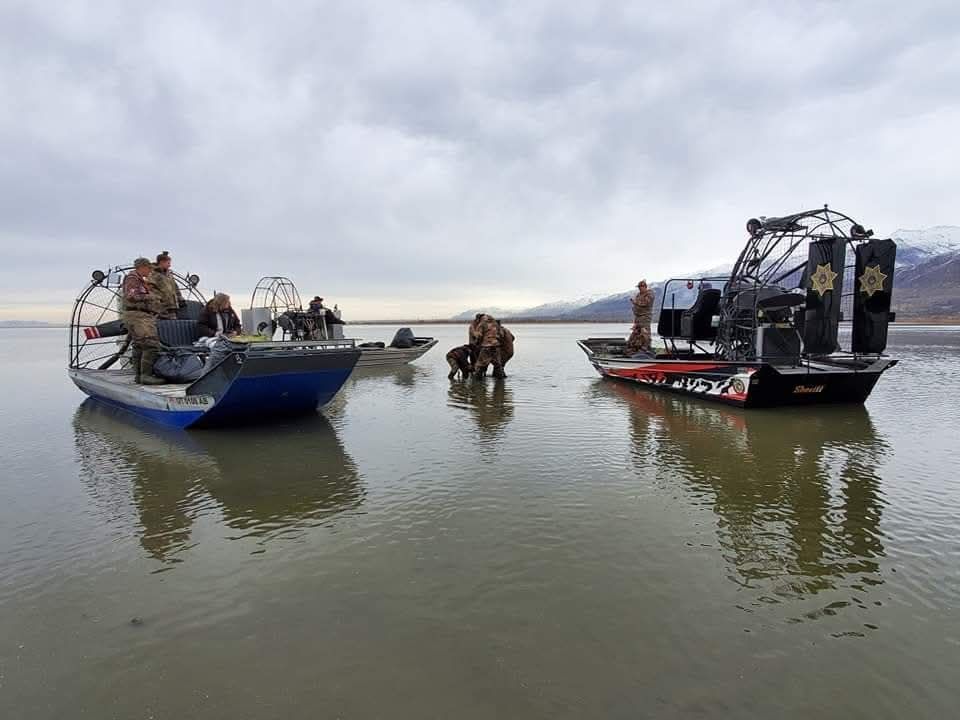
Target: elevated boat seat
<point x="697" y="322"/>
<point x="178" y="333"/>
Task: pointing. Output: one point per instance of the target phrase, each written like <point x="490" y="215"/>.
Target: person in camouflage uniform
<point x="487" y="333"/>
<point x="460" y="360"/>
<point x="165" y="284"/>
<point x="473" y="334"/>
<point x="506" y="350"/>
<point x="141" y="305"/>
<point x="642" y="304"/>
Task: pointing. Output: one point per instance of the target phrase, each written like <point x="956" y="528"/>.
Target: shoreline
<point x="909" y="322"/>
<point x="913" y="322"/>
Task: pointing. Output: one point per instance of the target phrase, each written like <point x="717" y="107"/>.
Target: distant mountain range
<point x="29" y="324"/>
<point x="926" y="285"/>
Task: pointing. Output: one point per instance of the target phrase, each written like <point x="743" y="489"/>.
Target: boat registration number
<point x="192" y="401"/>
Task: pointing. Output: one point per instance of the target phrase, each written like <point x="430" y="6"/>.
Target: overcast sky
<point x="418" y="159"/>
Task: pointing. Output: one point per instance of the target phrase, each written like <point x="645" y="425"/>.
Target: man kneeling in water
<point x="460" y="360"/>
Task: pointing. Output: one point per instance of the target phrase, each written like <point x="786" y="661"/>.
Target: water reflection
<point x="265" y="482"/>
<point x="489" y="402"/>
<point x="404" y="376"/>
<point x="797" y="492"/>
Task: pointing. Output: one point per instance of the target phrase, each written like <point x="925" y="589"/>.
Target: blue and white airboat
<point x="255" y="381"/>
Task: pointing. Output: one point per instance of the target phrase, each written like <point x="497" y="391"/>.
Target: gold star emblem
<point x="872" y="280"/>
<point x="823" y="278"/>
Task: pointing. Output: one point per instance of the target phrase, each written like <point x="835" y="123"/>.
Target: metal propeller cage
<point x="101" y="302"/>
<point x="776" y="256"/>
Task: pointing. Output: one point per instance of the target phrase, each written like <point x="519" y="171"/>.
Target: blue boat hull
<point x="247" y="386"/>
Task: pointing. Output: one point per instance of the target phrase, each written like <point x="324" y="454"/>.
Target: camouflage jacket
<point x="461" y="353"/>
<point x="165" y="286"/>
<point x="506" y="339"/>
<point x="643" y="307"/>
<point x="488" y="332"/>
<point x="140" y="295"/>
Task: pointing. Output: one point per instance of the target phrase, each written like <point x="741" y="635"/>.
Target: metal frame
<point x="280" y="295"/>
<point x="277" y="293"/>
<point x="100" y="302"/>
<point x="775" y="252"/>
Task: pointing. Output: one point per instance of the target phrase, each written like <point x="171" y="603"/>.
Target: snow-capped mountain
<point x="468" y="315"/>
<point x="926" y="284"/>
<point x="918" y="246"/>
<point x="555" y="309"/>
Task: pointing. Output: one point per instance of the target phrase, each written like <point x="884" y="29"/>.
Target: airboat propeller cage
<point x="276" y="304"/>
<point x="806" y="255"/>
<point x="97" y="333"/>
<point x="273" y="296"/>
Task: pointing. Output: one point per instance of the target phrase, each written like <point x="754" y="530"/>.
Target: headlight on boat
<point x="194" y="280"/>
<point x="98" y="276"/>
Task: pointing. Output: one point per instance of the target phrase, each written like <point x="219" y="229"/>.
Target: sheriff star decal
<point x="872" y="280"/>
<point x="823" y="278"/>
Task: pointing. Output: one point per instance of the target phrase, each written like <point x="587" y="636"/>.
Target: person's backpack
<point x="179" y="365"/>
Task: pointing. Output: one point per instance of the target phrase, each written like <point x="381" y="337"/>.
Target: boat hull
<point x="749" y="385"/>
<point x="244" y="387"/>
<point x="391" y="356"/>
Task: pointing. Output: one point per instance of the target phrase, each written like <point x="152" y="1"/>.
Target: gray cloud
<point x="431" y="155"/>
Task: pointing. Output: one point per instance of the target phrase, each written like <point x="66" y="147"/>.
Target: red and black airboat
<point x="769" y="334"/>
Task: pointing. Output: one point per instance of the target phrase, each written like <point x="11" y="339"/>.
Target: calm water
<point x="549" y="546"/>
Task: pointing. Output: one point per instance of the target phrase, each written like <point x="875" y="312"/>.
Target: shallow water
<point x="552" y="545"/>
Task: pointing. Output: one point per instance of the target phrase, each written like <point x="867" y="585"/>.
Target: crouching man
<point x="460" y="360"/>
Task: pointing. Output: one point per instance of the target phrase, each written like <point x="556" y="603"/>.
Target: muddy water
<point x="552" y="545"/>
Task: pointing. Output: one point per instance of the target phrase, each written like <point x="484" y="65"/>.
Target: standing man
<point x="473" y="332"/>
<point x="642" y="304"/>
<point x="166" y="287"/>
<point x="506" y="350"/>
<point x="141" y="305"/>
<point x="488" y="337"/>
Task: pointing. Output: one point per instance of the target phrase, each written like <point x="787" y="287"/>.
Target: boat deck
<point x="124" y="379"/>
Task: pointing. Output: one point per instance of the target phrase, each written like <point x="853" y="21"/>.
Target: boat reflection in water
<point x="264" y="482"/>
<point x="796" y="491"/>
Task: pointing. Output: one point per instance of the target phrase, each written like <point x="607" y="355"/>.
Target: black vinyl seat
<point x="178" y="333"/>
<point x="190" y="311"/>
<point x="697" y="322"/>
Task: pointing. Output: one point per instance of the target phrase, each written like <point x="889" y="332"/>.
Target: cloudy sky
<point x="420" y="158"/>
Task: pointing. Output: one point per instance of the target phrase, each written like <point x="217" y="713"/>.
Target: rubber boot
<point x="135" y="362"/>
<point x="146" y="368"/>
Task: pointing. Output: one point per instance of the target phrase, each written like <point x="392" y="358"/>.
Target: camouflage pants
<point x="142" y="329"/>
<point x="458" y="364"/>
<point x="639" y="339"/>
<point x="489" y="355"/>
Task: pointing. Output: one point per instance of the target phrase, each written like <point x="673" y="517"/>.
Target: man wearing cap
<point x="166" y="286"/>
<point x="642" y="304"/>
<point x="141" y="305"/>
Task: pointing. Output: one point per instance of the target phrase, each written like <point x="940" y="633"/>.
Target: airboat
<point x="253" y="381"/>
<point x="769" y="334"/>
<point x="277" y="311"/>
